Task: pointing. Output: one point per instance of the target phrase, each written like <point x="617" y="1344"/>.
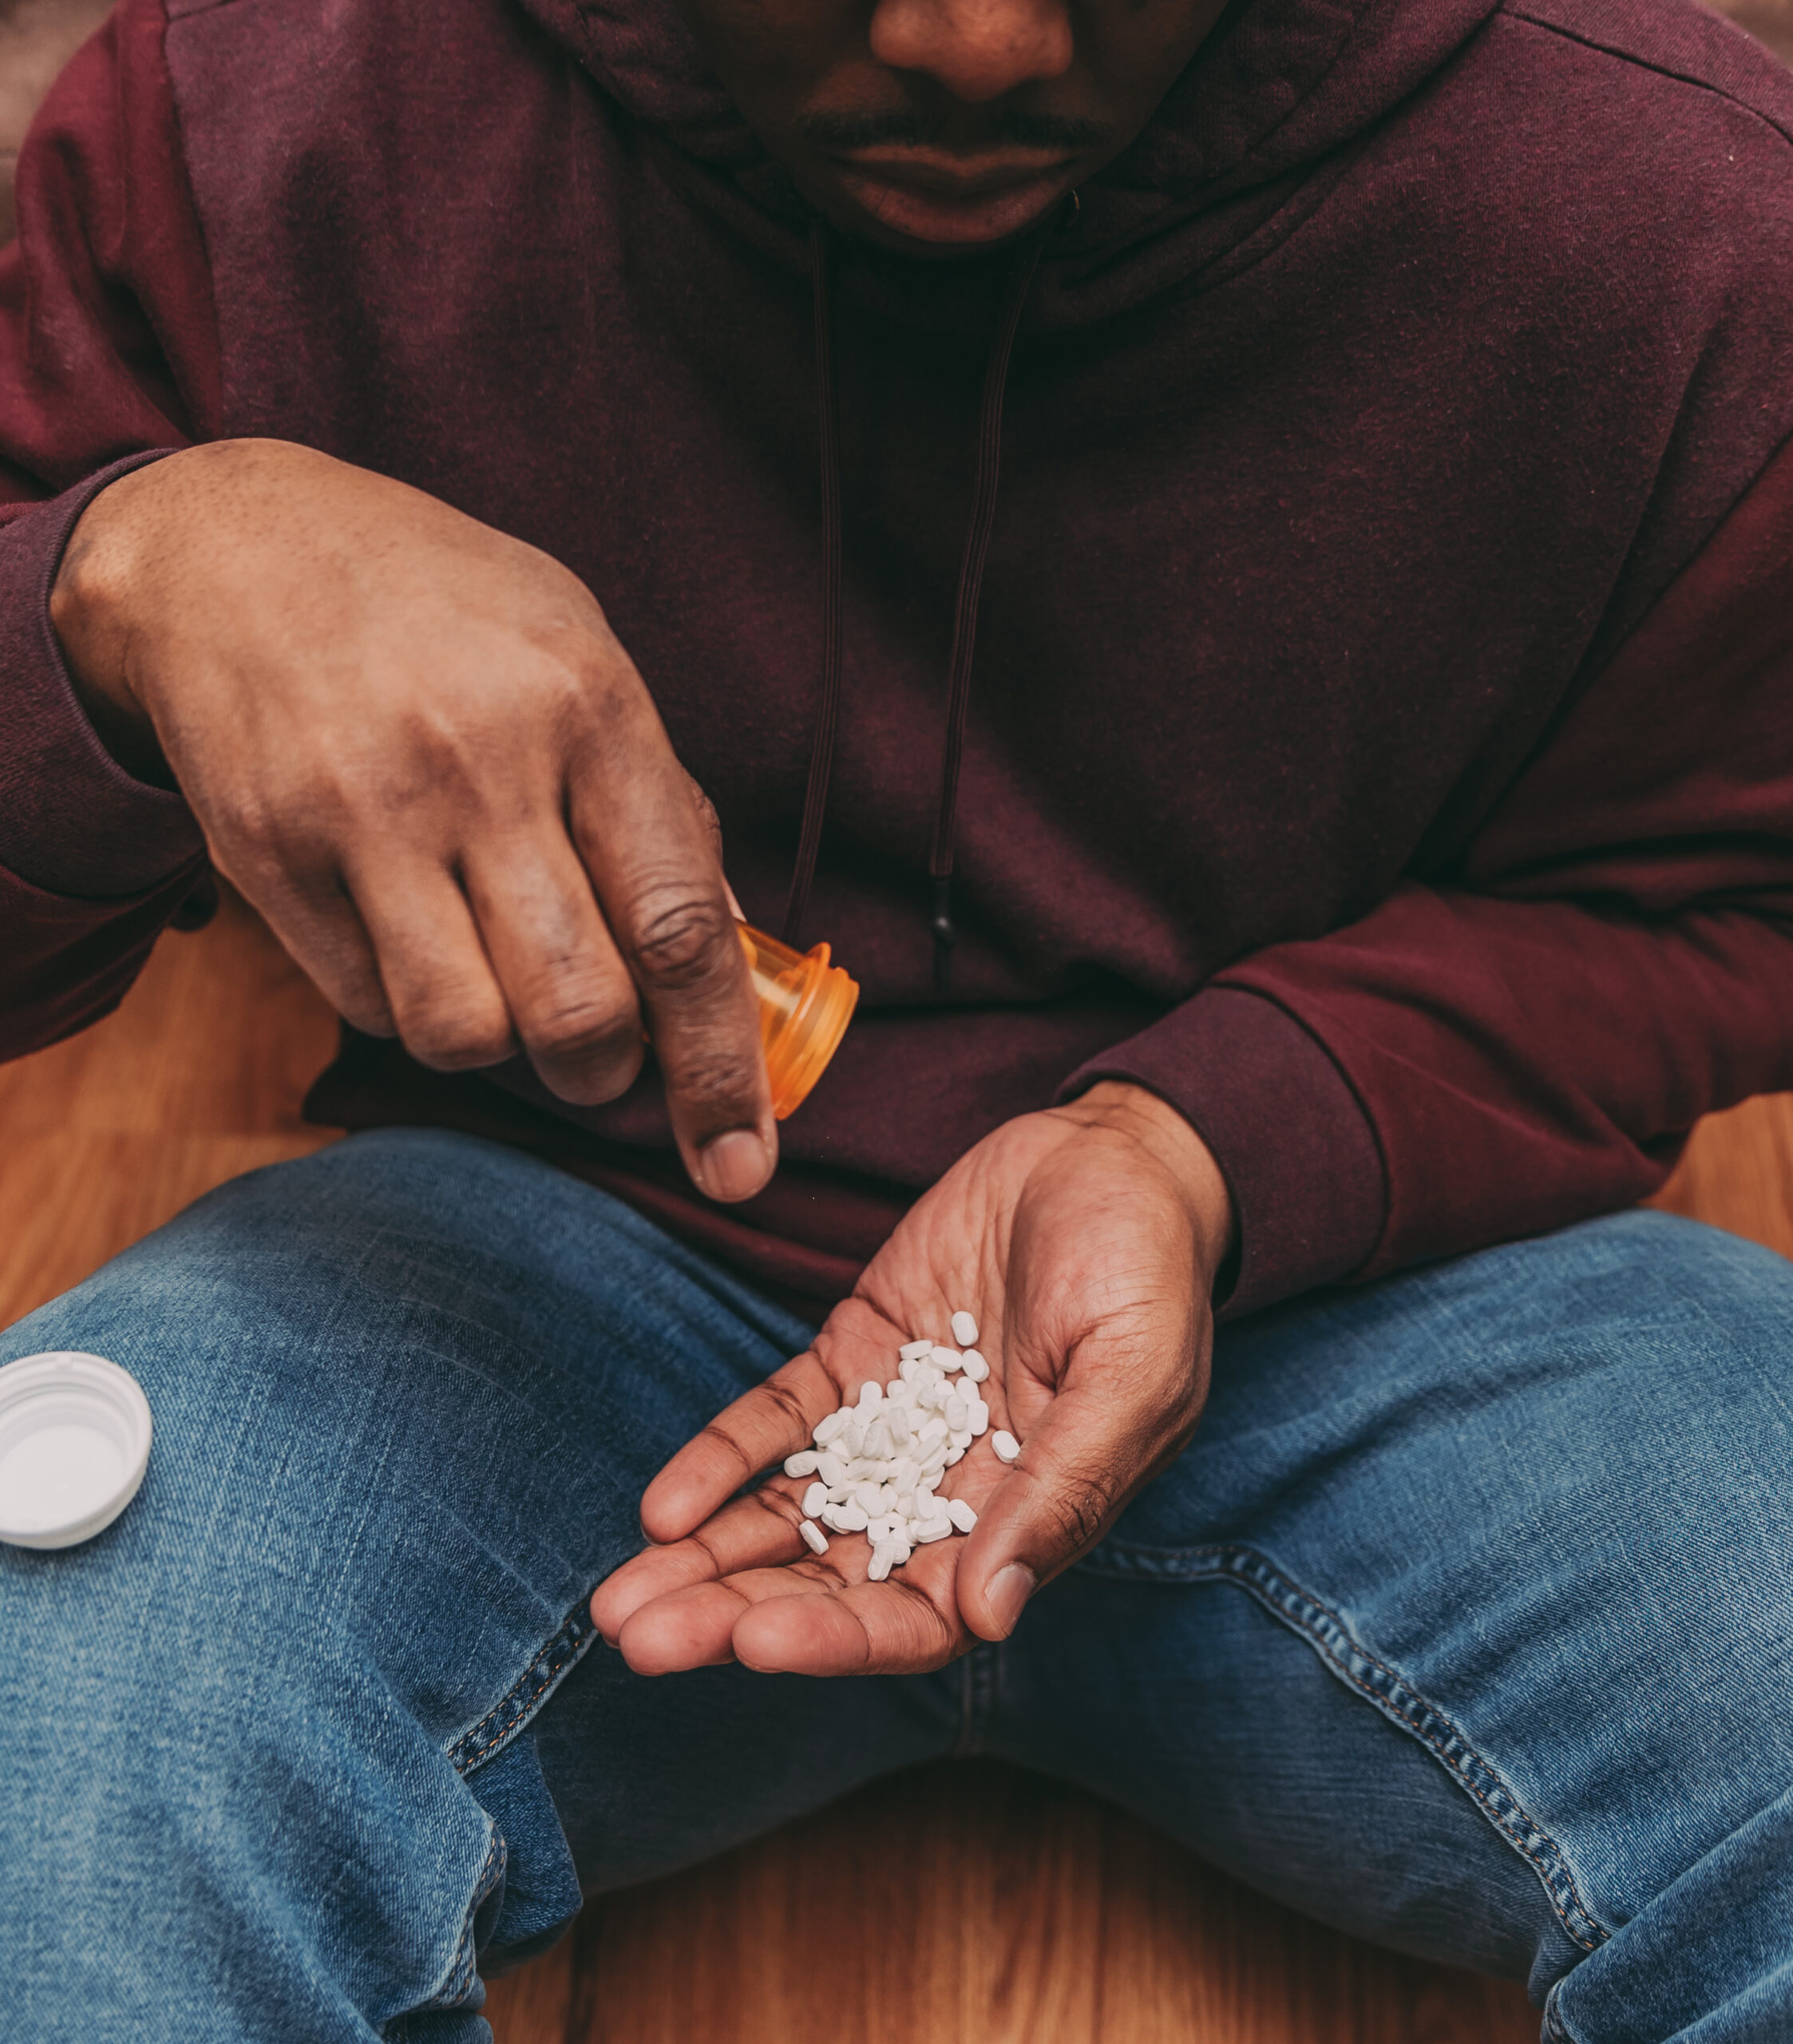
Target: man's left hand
<point x="1085" y="1240"/>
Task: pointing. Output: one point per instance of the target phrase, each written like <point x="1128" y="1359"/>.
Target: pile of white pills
<point x="876" y="1464"/>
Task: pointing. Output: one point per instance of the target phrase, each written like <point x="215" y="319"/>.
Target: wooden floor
<point x="1010" y="1909"/>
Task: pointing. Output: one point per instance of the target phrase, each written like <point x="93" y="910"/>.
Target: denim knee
<point x="404" y="1408"/>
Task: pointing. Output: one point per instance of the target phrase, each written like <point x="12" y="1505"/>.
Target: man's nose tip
<point x="977" y="50"/>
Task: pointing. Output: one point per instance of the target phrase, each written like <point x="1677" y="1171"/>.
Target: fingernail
<point x="1010" y="1588"/>
<point x="734" y="1166"/>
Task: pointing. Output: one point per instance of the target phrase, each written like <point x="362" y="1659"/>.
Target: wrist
<point x="1171" y="1138"/>
<point x="90" y="605"/>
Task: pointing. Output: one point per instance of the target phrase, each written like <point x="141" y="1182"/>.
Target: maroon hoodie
<point x="1379" y="740"/>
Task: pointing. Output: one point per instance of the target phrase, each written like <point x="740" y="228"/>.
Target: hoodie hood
<point x="1280" y="89"/>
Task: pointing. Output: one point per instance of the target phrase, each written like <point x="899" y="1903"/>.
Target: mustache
<point x="1012" y="127"/>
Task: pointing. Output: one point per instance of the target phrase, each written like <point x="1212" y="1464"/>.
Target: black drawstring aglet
<point x="945" y="936"/>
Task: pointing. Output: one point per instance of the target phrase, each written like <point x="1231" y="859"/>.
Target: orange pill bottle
<point x="805" y="1006"/>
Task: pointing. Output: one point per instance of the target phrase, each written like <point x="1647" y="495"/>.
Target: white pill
<point x="934" y="1529"/>
<point x="975" y="1366"/>
<point x="905" y="1471"/>
<point x="830" y="1516"/>
<point x="947" y="1359"/>
<point x="865" y="1496"/>
<point x="851" y="1442"/>
<point x="956" y="1416"/>
<point x="925" y="1482"/>
<point x="901" y="1391"/>
<point x="954" y="1455"/>
<point x="828" y="1431"/>
<point x="831" y="1467"/>
<point x="958" y="1511"/>
<point x="959" y="1441"/>
<point x="897" y="1427"/>
<point x="899" y="1550"/>
<point x="1007" y="1448"/>
<point x="804" y="1464"/>
<point x="815" y="1499"/>
<point x="853" y="1517"/>
<point x="813" y="1533"/>
<point x="964" y="1329"/>
<point x="937" y="1429"/>
<point x="978" y="1422"/>
<point x="932" y="1462"/>
<point x="871" y="1395"/>
<point x="913" y="1351"/>
<point x="880" y="1441"/>
<point x="880" y="1564"/>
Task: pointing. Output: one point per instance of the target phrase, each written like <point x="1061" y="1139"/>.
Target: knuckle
<point x="243" y="816"/>
<point x="715" y="1432"/>
<point x="680" y="941"/>
<point x="366" y="1009"/>
<point x="706" y="808"/>
<point x="716" y="1085"/>
<point x="777" y="1504"/>
<point x="1080" y="1507"/>
<point x="455" y="1037"/>
<point x="571" y="1025"/>
<point x="788" y="1404"/>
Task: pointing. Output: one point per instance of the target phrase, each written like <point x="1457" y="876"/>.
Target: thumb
<point x="1078" y="1466"/>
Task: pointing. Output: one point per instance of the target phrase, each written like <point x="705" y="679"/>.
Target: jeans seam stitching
<point x="1555" y="2030"/>
<point x="520" y="1702"/>
<point x="1308" y="1615"/>
<point x="452" y="1992"/>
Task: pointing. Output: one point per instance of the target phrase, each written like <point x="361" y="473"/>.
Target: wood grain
<point x="197" y="1078"/>
<point x="994" y="1907"/>
<point x="1737" y="1173"/>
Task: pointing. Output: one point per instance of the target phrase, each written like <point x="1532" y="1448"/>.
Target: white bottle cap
<point x="74" y="1443"/>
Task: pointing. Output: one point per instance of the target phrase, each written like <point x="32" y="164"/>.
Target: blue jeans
<point x="1465" y="1623"/>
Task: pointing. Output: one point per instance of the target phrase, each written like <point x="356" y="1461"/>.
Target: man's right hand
<point x="417" y="747"/>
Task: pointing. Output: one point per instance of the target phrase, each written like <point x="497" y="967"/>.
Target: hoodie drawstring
<point x="821" y="753"/>
<point x="964" y="620"/>
<point x="965" y="616"/>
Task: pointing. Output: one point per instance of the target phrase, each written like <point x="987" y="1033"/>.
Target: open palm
<point x="1085" y="1244"/>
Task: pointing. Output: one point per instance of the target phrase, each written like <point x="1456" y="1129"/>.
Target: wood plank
<point x="969" y="1903"/>
<point x="1737" y="1173"/>
<point x="197" y="1077"/>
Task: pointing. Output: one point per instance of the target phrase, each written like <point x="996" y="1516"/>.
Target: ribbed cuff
<point x="1298" y="1154"/>
<point x="71" y="821"/>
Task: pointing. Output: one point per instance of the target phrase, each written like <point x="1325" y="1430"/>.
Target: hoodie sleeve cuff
<point x="1298" y="1153"/>
<point x="71" y="821"/>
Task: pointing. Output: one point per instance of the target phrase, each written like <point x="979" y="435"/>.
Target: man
<point x="1268" y="660"/>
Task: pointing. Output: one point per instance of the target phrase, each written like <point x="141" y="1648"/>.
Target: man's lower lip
<point x="922" y="207"/>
